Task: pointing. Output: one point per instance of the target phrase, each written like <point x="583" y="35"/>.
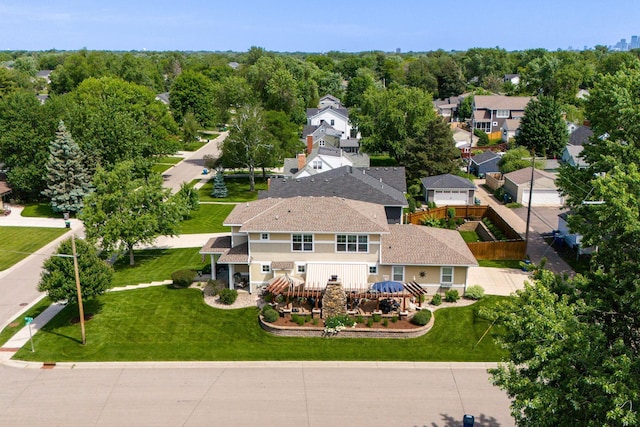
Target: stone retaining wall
<point x="287" y="331"/>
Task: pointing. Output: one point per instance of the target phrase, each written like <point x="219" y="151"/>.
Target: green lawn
<point x="207" y="219"/>
<point x="193" y="146"/>
<point x="160" y="167"/>
<point x="34" y="311"/>
<point x="238" y="190"/>
<point x="500" y="263"/>
<point x="16" y="243"/>
<point x="153" y="265"/>
<point x="162" y="323"/>
<point x="169" y="160"/>
<point x="470" y="236"/>
<point x="40" y="210"/>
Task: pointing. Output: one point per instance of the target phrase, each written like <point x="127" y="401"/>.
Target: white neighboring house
<point x="338" y="118"/>
<point x="545" y="193"/>
<point x="330" y="101"/>
<point x="323" y="159"/>
<point x="572" y="239"/>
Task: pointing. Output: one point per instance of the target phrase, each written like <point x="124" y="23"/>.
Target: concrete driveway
<point x="544" y="219"/>
<point x="497" y="281"/>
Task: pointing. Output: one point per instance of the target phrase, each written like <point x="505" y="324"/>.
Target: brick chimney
<point x="302" y="161"/>
<point x="309" y="143"/>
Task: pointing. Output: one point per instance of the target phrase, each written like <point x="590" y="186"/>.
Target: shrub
<point x="212" y="288"/>
<point x="183" y="278"/>
<point x="269" y="314"/>
<point x="394" y="319"/>
<point x="451" y="212"/>
<point x="513" y="205"/>
<point x="268" y="298"/>
<point x="421" y="317"/>
<point x="451" y="295"/>
<point x="376" y="317"/>
<point x="369" y="322"/>
<point x="315" y="321"/>
<point x="436" y="300"/>
<point x="228" y="296"/>
<point x="385" y="322"/>
<point x="474" y="292"/>
<point x="297" y="319"/>
<point x="307" y="319"/>
<point x="334" y="324"/>
<point x="359" y="319"/>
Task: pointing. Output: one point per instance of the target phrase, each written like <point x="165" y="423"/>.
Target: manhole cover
<point x="22" y="304"/>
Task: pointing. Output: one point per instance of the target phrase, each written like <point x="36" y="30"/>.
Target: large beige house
<point x="310" y="239"/>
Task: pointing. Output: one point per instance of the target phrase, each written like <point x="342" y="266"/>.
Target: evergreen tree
<point x="67" y="178"/>
<point x="542" y="128"/>
<point x="219" y="187"/>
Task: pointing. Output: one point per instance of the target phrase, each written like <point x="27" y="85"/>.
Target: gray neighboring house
<point x="571" y="155"/>
<point x="545" y="193"/>
<point x="163" y="97"/>
<point x="448" y="189"/>
<point x="379" y="185"/>
<point x="491" y="111"/>
<point x="484" y="163"/>
<point x="580" y="135"/>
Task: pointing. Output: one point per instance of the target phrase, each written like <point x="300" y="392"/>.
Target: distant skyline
<point x="289" y="26"/>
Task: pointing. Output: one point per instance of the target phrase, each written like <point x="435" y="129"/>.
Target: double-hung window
<point x="397" y="273"/>
<point x="446" y="276"/>
<point x="352" y="243"/>
<point x="502" y="114"/>
<point x="302" y="242"/>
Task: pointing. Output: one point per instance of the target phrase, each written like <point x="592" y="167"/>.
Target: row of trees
<point x="574" y="343"/>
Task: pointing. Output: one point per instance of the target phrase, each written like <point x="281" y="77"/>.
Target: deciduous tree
<point x="125" y="210"/>
<point x="58" y="278"/>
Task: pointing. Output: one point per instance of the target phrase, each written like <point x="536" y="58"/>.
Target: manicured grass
<point x="209" y="136"/>
<point x="193" y="146"/>
<point x="34" y="311"/>
<point x="16" y="243"/>
<point x="207" y="219"/>
<point x="170" y="160"/>
<point x="155" y="265"/>
<point x="160" y="167"/>
<point x="238" y="190"/>
<point x="500" y="263"/>
<point x="40" y="210"/>
<point x="161" y="323"/>
<point x="470" y="236"/>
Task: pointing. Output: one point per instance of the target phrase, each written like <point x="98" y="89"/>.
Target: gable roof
<point x="410" y="244"/>
<point x="348" y="182"/>
<point x="501" y="102"/>
<point x="312" y="112"/>
<point x="575" y="152"/>
<point x="309" y="214"/>
<point x="446" y="181"/>
<point x="523" y="176"/>
<point x="484" y="157"/>
<point x="511" y="124"/>
<point x="580" y="135"/>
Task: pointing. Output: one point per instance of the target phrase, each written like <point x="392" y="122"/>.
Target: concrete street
<point x="192" y="166"/>
<point x="261" y="393"/>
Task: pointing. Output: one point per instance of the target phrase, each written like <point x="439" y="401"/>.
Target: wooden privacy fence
<point x="513" y="248"/>
<point x="498" y="250"/>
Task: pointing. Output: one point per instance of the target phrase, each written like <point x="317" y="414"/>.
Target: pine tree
<point x="67" y="178"/>
<point x="219" y="187"/>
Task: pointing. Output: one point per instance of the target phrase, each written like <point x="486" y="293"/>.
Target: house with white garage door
<point x="545" y="193"/>
<point x="448" y="189"/>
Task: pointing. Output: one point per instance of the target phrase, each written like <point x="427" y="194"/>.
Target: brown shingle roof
<point x="217" y="245"/>
<point x="4" y="188"/>
<point x="236" y="255"/>
<point x="500" y="102"/>
<point x="409" y="244"/>
<point x="524" y="175"/>
<point x="309" y="214"/>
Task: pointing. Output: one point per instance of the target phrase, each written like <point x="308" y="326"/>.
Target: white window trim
<point x="357" y="243"/>
<point x="442" y="281"/>
<point x="504" y="115"/>
<point x="268" y="268"/>
<point x="264" y="236"/>
<point x="393" y="273"/>
<point x="302" y="243"/>
<point x="373" y="269"/>
<point x="301" y="268"/>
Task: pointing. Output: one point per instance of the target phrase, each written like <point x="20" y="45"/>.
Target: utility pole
<point x="77" y="273"/>
<point x="526" y="233"/>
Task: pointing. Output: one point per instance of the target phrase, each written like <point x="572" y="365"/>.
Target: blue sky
<point x="302" y="25"/>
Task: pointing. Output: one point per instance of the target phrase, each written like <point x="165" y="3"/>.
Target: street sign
<point x="28" y="320"/>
